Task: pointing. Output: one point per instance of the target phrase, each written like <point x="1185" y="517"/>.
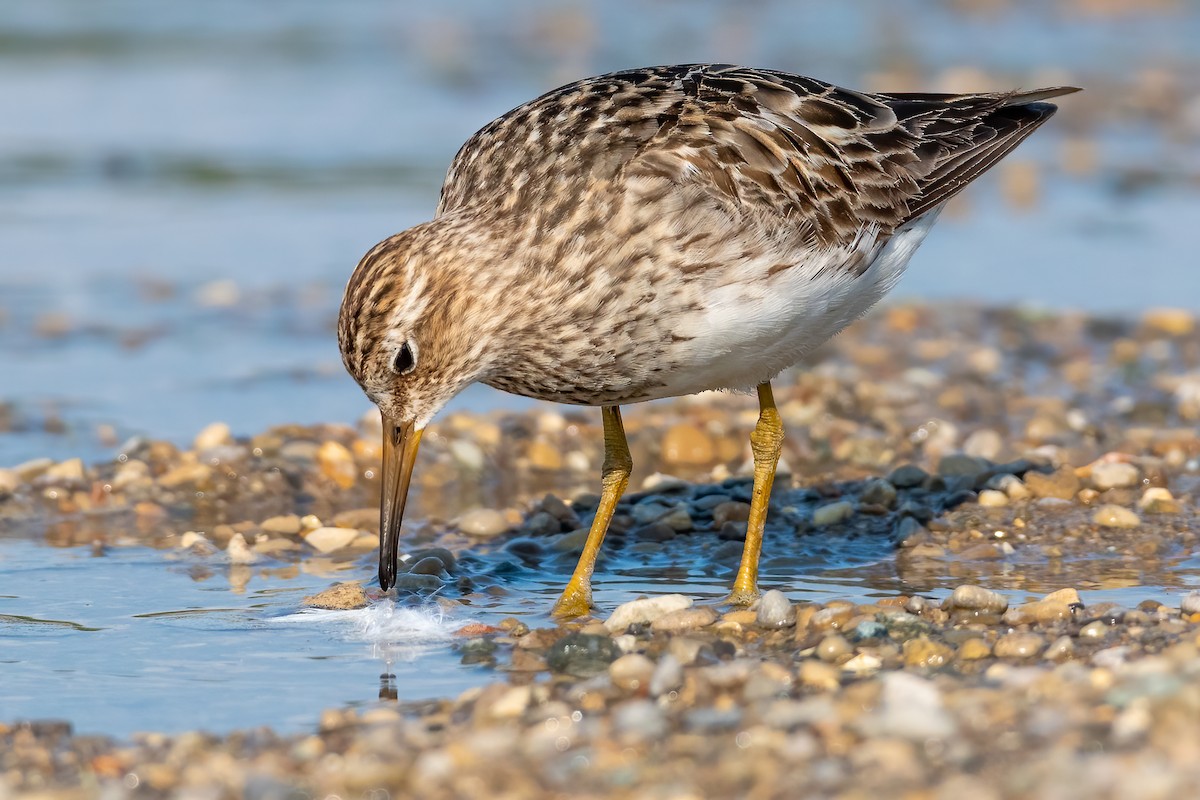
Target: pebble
<point x="1190" y="604"/>
<point x="984" y="443"/>
<point x="238" y="551"/>
<point x="879" y="492"/>
<point x="1114" y="516"/>
<point x="775" y="610"/>
<point x="1053" y="607"/>
<point x="686" y="445"/>
<point x="1114" y="475"/>
<point x="632" y="673"/>
<point x="910" y="708"/>
<point x="337" y="463"/>
<point x="992" y="498"/>
<point x="1061" y="484"/>
<point x="923" y="652"/>
<point x="1169" y="321"/>
<point x="582" y="654"/>
<point x="1060" y="649"/>
<point x="70" y="470"/>
<point x="211" y="436"/>
<point x="645" y="610"/>
<point x="833" y="647"/>
<point x="907" y="476"/>
<point x="545" y="456"/>
<point x="542" y="523"/>
<point x="668" y="675"/>
<point x="685" y="619"/>
<point x="482" y="523"/>
<point x="287" y="524"/>
<point x="677" y="519"/>
<point x="1019" y="645"/>
<point x="974" y="649"/>
<point x="961" y="464"/>
<point x="409" y="582"/>
<point x="730" y="511"/>
<point x="819" y="675"/>
<point x="833" y="513"/>
<point x="340" y="596"/>
<point x="975" y="598"/>
<point x="1158" y="500"/>
<point x="10" y="481"/>
<point x="329" y="540"/>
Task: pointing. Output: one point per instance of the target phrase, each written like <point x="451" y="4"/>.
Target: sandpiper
<point x="652" y="233"/>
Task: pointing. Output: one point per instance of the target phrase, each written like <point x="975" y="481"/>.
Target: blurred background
<point x="185" y="187"/>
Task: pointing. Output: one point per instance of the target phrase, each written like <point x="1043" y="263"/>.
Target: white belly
<point x="753" y="329"/>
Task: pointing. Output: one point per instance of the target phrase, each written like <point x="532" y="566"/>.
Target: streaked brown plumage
<point x="658" y="232"/>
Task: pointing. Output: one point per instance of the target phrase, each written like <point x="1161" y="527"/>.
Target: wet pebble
<point x="975" y="598"/>
<point x="879" y="492"/>
<point x="1019" y="645"/>
<point x="730" y="511"/>
<point x="582" y="654"/>
<point x="645" y="610"/>
<point x="541" y="523"/>
<point x="1114" y="516"/>
<point x="907" y="476"/>
<point x="338" y="597"/>
<point x="409" y="582"/>
<point x="775" y="610"/>
<point x="833" y="647"/>
<point x="922" y="652"/>
<point x="833" y="513"/>
<point x="685" y="619"/>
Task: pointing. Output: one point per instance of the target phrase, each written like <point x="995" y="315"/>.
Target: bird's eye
<point x="405" y="360"/>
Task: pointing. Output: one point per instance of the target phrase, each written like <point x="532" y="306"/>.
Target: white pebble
<point x="238" y="551"/>
<point x="992" y="498"/>
<point x="646" y="609"/>
<point x="833" y="513"/>
<point x="482" y="523"/>
<point x="327" y="540"/>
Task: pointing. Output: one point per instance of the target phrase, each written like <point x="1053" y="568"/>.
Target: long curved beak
<point x="400" y="442"/>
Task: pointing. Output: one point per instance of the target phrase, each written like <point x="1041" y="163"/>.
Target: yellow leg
<point x="576" y="599"/>
<point x="766" y="441"/>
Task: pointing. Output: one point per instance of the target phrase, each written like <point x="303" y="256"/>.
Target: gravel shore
<point x="999" y="454"/>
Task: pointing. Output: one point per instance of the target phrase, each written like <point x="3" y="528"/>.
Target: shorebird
<point x="652" y="233"/>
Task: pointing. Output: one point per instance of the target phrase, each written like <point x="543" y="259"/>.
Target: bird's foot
<point x="742" y="597"/>
<point x="576" y="601"/>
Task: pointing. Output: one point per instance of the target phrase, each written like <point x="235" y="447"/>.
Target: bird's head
<point x="408" y="332"/>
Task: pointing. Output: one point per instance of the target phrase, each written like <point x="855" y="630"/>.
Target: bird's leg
<point x="577" y="597"/>
<point x="766" y="441"/>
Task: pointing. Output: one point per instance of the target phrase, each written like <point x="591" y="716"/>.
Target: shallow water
<point x="183" y="193"/>
<point x="129" y="639"/>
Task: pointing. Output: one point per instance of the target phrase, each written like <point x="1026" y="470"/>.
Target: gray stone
<point x="775" y="610"/>
<point x="907" y="476"/>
